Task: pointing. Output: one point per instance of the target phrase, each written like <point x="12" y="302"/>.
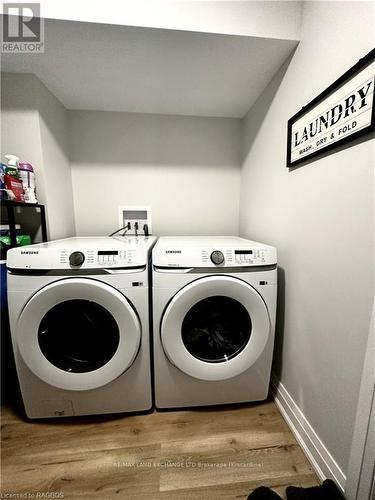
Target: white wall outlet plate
<point x="135" y="215"/>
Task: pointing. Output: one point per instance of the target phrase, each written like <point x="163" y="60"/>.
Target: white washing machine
<point x="79" y="315"/>
<point x="214" y="308"/>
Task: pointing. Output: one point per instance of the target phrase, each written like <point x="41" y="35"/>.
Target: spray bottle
<point x="13" y="185"/>
<point x="11" y="167"/>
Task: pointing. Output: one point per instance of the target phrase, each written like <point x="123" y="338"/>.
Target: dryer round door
<point x="215" y="328"/>
<point x="78" y="334"/>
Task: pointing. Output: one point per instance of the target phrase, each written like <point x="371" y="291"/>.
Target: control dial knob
<point x="217" y="257"/>
<point x="76" y="259"/>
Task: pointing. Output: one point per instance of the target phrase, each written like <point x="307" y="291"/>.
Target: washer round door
<point x="78" y="334"/>
<point x="215" y="328"/>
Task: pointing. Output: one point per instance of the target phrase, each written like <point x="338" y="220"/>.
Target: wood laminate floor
<point x="200" y="454"/>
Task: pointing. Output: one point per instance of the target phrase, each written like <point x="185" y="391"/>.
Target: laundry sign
<point x="343" y="112"/>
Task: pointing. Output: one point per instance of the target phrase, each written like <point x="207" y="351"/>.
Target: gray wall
<point x="186" y="168"/>
<point x="55" y="147"/>
<point x="20" y="130"/>
<point x="34" y="127"/>
<point x="320" y="217"/>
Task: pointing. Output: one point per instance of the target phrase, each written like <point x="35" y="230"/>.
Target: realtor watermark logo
<point x="23" y="28"/>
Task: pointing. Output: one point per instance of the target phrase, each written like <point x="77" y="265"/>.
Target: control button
<point x="217" y="257"/>
<point x="76" y="259"/>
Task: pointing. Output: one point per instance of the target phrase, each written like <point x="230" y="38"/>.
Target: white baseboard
<point x="320" y="458"/>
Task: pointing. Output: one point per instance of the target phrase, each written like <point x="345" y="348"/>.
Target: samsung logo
<point x="173" y="251"/>
<point x="23" y="252"/>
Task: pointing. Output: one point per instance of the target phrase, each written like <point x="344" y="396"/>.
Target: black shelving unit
<point x="30" y="216"/>
<point x="32" y="219"/>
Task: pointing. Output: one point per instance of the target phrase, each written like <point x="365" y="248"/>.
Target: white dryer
<point x="214" y="308"/>
<point x="79" y="315"/>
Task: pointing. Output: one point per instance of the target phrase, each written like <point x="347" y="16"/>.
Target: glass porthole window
<point x="78" y="336"/>
<point x="216" y="329"/>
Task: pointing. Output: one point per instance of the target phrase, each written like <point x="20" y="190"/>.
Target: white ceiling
<point x="119" y="68"/>
<point x="268" y="19"/>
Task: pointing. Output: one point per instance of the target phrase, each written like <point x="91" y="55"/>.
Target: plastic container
<point x="14" y="188"/>
<point x="3" y="279"/>
<point x="3" y="193"/>
<point x="5" y="229"/>
<point x="27" y="176"/>
<point x="5" y="240"/>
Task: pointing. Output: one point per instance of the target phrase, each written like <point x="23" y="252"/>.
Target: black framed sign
<point x="341" y="113"/>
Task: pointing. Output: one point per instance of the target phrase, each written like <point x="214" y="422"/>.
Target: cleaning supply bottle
<point x="11" y="166"/>
<point x="27" y="176"/>
<point x="3" y="193"/>
<point x="13" y="185"/>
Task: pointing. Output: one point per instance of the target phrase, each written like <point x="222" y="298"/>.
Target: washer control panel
<point x="97" y="258"/>
<point x="83" y="253"/>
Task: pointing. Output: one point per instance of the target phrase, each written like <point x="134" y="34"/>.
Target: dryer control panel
<point x="204" y="252"/>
